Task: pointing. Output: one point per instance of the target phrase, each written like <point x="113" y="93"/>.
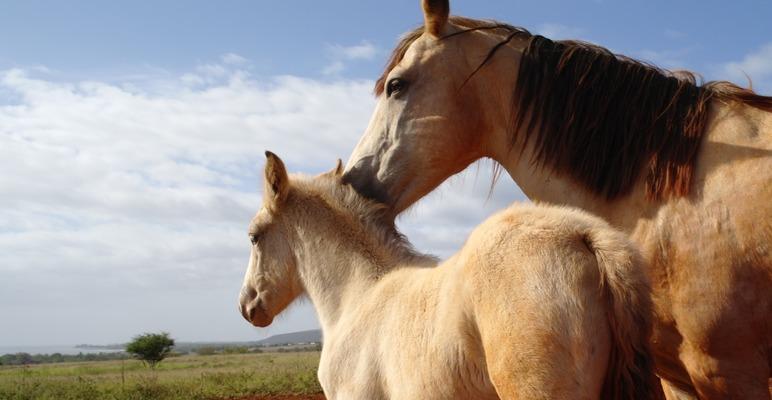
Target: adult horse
<point x="540" y="303"/>
<point x="686" y="170"/>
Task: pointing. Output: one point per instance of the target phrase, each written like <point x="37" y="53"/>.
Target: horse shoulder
<point x="708" y="256"/>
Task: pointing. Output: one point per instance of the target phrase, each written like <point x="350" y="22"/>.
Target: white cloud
<point x="233" y="59"/>
<point x="125" y="206"/>
<point x="115" y="199"/>
<point x="362" y="51"/>
<point x="757" y="66"/>
<point x="335" y="68"/>
<point x="341" y="55"/>
<point x="440" y="223"/>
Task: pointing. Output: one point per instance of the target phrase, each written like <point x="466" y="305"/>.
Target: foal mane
<point x="603" y="118"/>
<point x="365" y="219"/>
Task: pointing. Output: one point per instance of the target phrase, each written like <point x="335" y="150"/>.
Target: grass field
<point x="178" y="378"/>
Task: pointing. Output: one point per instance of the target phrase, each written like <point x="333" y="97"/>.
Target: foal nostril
<point x="246" y="302"/>
<point x="249" y="304"/>
<point x="248" y="294"/>
<point x="243" y="310"/>
<point x="251" y="310"/>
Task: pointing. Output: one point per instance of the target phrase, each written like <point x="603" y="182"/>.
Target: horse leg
<point x="742" y="375"/>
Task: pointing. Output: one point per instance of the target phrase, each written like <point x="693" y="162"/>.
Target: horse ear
<point x="435" y="15"/>
<point x="276" y="181"/>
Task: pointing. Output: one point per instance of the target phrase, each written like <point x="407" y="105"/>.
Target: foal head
<point x="272" y="280"/>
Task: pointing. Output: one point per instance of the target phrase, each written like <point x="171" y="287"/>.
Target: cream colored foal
<point x="540" y="303"/>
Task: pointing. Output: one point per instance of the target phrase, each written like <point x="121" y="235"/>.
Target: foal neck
<point x="343" y="251"/>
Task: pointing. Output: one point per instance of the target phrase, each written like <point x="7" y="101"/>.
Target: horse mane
<point x="603" y="118"/>
<point x="360" y="214"/>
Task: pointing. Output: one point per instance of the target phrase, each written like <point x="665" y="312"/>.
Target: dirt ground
<point x="283" y="397"/>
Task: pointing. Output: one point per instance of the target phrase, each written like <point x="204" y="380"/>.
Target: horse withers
<point x="540" y="303"/>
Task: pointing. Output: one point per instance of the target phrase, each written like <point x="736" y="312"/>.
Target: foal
<point x="540" y="303"/>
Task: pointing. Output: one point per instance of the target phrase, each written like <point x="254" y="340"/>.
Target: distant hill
<point x="312" y="336"/>
<point x="292" y="338"/>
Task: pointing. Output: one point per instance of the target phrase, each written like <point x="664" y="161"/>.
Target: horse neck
<point x="339" y="260"/>
<point x="542" y="184"/>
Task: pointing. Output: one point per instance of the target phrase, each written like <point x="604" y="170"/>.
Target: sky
<point x="132" y="138"/>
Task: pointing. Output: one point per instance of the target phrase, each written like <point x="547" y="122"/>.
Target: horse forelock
<point x="407" y="39"/>
<point x="603" y="119"/>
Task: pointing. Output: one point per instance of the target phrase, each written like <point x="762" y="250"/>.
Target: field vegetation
<point x="189" y="377"/>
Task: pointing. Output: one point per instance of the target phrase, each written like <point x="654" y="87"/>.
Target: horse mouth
<point x="365" y="185"/>
<point x="255" y="313"/>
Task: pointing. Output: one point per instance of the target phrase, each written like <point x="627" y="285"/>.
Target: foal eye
<point x="395" y="86"/>
<point x="253" y="239"/>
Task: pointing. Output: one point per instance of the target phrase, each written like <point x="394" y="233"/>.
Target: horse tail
<point x="630" y="372"/>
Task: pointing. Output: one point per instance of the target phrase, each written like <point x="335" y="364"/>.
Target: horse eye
<point x="253" y="239"/>
<point x="395" y="86"/>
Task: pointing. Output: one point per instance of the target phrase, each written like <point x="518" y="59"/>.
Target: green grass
<point x="178" y="378"/>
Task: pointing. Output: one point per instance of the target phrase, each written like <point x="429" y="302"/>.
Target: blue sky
<point x="87" y="37"/>
<point x="132" y="134"/>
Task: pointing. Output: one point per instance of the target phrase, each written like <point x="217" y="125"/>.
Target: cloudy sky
<point x="132" y="139"/>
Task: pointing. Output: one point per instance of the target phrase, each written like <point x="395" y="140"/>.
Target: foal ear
<point x="276" y="182"/>
<point x="338" y="170"/>
<point x="435" y="15"/>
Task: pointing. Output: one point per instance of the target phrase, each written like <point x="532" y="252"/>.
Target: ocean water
<point x="50" y="350"/>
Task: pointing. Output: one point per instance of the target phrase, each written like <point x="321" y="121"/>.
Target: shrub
<point x="151" y="348"/>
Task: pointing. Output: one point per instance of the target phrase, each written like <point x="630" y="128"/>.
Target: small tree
<point x="151" y="348"/>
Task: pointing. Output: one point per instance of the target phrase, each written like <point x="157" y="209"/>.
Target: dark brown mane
<point x="602" y="118"/>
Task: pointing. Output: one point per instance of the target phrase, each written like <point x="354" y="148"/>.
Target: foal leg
<point x="535" y="369"/>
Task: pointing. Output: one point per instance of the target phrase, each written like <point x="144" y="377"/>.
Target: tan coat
<point x="707" y="244"/>
<point x="540" y="303"/>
